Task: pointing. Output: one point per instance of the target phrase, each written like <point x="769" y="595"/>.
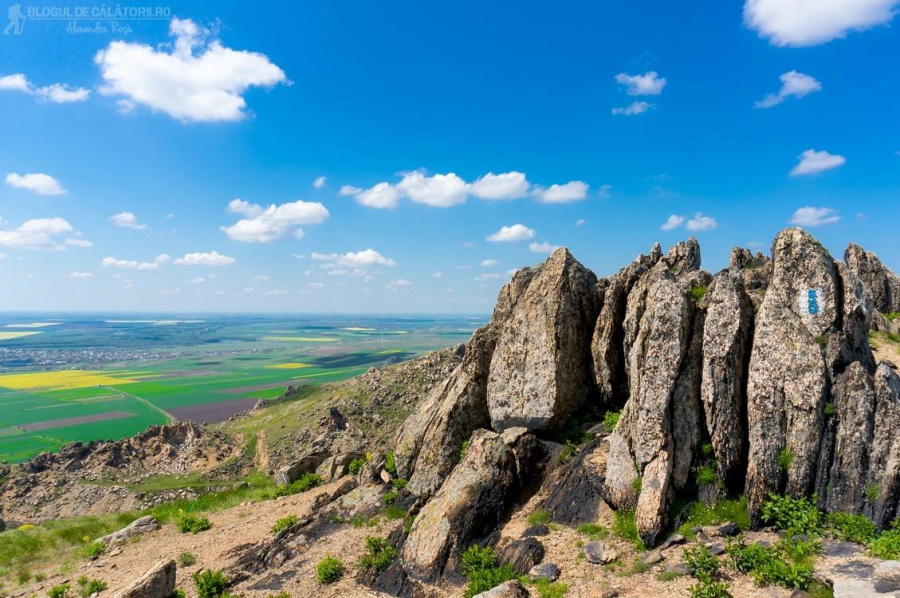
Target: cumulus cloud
<point x="75" y="242"/>
<point x="673" y="222"/>
<point x="397" y="284"/>
<point x="488" y="276"/>
<point x="316" y="285"/>
<point x="437" y="275"/>
<point x="793" y="85"/>
<point x="489" y="263"/>
<point x="382" y="195"/>
<point x="319" y="182"/>
<point x="58" y="93"/>
<point x="508" y="234"/>
<point x="648" y="84"/>
<point x="439" y="190"/>
<point x="701" y="223"/>
<point x="632" y="109"/>
<point x="200" y="280"/>
<point x="42" y="184"/>
<point x="199" y="80"/>
<point x="813" y="22"/>
<point x="212" y="258"/>
<point x="36" y="234"/>
<point x="127" y="220"/>
<point x="508" y="185"/>
<point x="111" y="262"/>
<point x="81" y="275"/>
<point x="264" y="225"/>
<point x="359" y="259"/>
<point x="567" y="193"/>
<point x="812" y="162"/>
<point x="810" y="216"/>
<point x="542" y="247"/>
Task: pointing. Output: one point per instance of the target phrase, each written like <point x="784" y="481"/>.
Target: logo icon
<point x="16" y="20"/>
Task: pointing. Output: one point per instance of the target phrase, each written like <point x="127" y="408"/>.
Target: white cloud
<point x="793" y="85"/>
<point x="2" y="256"/>
<point x="648" y="84"/>
<point x="813" y="22"/>
<point x="382" y="195"/>
<point x="812" y="162"/>
<point x="810" y="216"/>
<point x="509" y="185"/>
<point x="127" y="220"/>
<point x="248" y="290"/>
<point x="276" y="292"/>
<point x="320" y="182"/>
<point x="464" y="267"/>
<point x="81" y="275"/>
<point x="542" y="247"/>
<point x="42" y="184"/>
<point x="264" y="225"/>
<point x="212" y="258"/>
<point x="261" y="277"/>
<point x="580" y="222"/>
<point x="701" y="223"/>
<point x="439" y="190"/>
<point x="516" y="232"/>
<point x="199" y="81"/>
<point x="162" y="258"/>
<point x="437" y="275"/>
<point x="673" y="222"/>
<point x="36" y="234"/>
<point x="111" y="262"/>
<point x="78" y="243"/>
<point x="632" y="109"/>
<point x="316" y="285"/>
<point x="58" y="93"/>
<point x="488" y="276"/>
<point x="200" y="280"/>
<point x="359" y="259"/>
<point x="396" y="284"/>
<point x="567" y="193"/>
<point x="489" y="263"/>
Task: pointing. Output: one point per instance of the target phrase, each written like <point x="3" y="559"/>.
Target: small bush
<point x="797" y="515"/>
<point x="284" y="523"/>
<point x="400" y="483"/>
<point x="547" y="589"/>
<point x="625" y="528"/>
<point x="699" y="514"/>
<point x="192" y="524"/>
<point x="329" y="570"/>
<point x="785" y="458"/>
<point x="60" y="591"/>
<point x="390" y="464"/>
<point x="356" y="465"/>
<point x="395" y="512"/>
<point x="707" y="475"/>
<point x="186" y="559"/>
<point x="774" y="565"/>
<point x="830" y="409"/>
<point x="210" y="584"/>
<point x="379" y="554"/>
<point x="569" y="451"/>
<point x="853" y="528"/>
<point x="710" y="589"/>
<point x="887" y="545"/>
<point x="611" y="420"/>
<point x="483" y="570"/>
<point x="88" y="587"/>
<point x="698" y="293"/>
<point x="822" y="341"/>
<point x="701" y="564"/>
<point x="538" y="518"/>
<point x="391" y="497"/>
<point x="94" y="550"/>
<point x="892" y="315"/>
<point x="593" y="531"/>
<point x="178" y="594"/>
<point x="307" y="482"/>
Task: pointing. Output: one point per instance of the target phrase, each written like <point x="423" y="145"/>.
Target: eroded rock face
<point x="789" y="377"/>
<point x="884" y="284"/>
<point x="159" y="582"/>
<point x="726" y="348"/>
<point x="884" y="456"/>
<point x="540" y="369"/>
<point x="470" y="504"/>
<point x="576" y="489"/>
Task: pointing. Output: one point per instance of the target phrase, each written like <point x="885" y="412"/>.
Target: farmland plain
<point x="80" y="377"/>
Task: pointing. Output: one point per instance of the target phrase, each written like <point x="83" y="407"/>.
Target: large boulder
<point x="470" y="504"/>
<point x="726" y="348"/>
<point x="136" y="528"/>
<point x="884" y="455"/>
<point x="881" y="281"/>
<point x="540" y="369"/>
<point x="158" y="582"/>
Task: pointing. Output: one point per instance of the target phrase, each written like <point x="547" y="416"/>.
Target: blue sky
<point x="726" y="120"/>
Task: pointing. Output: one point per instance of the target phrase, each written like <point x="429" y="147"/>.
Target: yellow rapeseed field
<point x="288" y="366"/>
<point x="8" y="336"/>
<point x="61" y="380"/>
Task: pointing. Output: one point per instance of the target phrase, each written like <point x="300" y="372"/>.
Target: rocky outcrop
<point x="575" y="490"/>
<point x="158" y="582"/>
<point x="540" y="369"/>
<point x="884" y="456"/>
<point x="137" y="528"/>
<point x="470" y="504"/>
<point x="884" y="284"/>
<point x="726" y="350"/>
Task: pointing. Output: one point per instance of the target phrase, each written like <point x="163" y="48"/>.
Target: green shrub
<point x="284" y="523"/>
<point x="698" y="293"/>
<point x="593" y="530"/>
<point x="60" y="591"/>
<point x="830" y="409"/>
<point x="822" y="341"/>
<point x="785" y="458"/>
<point x="547" y="589"/>
<point x="710" y="589"/>
<point x="624" y="527"/>
<point x="400" y="483"/>
<point x="892" y="315"/>
<point x="483" y="570"/>
<point x="94" y="550"/>
<point x="176" y="593"/>
<point x="307" y="482"/>
<point x="356" y="465"/>
<point x="186" y="559"/>
<point x="390" y="464"/>
<point x="88" y="587"/>
<point x="699" y="514"/>
<point x="774" y="565"/>
<point x="391" y="497"/>
<point x="379" y="554"/>
<point x="192" y="524"/>
<point x="463" y="449"/>
<point x="872" y="492"/>
<point x="887" y="545"/>
<point x="210" y="583"/>
<point x="329" y="570"/>
<point x="700" y="563"/>
<point x="853" y="528"/>
<point x="797" y="515"/>
<point x="569" y="451"/>
<point x="707" y="475"/>
<point x="637" y="484"/>
<point x="395" y="512"/>
<point x="611" y="420"/>
<point x="539" y="517"/>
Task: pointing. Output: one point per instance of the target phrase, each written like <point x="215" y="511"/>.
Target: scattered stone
<point x="158" y="582"/>
<point x="548" y="571"/>
<point x="510" y="589"/>
<point x="536" y="530"/>
<point x="677" y="569"/>
<point x="652" y="557"/>
<point x="721" y="531"/>
<point x="138" y="527"/>
<point x="672" y="541"/>
<point x="599" y="553"/>
<point x="522" y="554"/>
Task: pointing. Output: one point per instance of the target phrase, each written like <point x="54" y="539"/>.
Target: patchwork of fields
<point x="203" y="371"/>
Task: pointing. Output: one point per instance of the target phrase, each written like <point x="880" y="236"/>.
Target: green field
<point x="198" y="371"/>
